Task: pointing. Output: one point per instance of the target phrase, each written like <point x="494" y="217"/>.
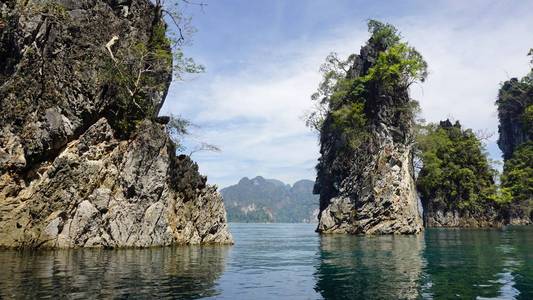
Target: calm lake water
<point x="287" y="261"/>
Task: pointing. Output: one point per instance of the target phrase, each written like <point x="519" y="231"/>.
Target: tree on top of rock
<point x="387" y="65"/>
<point x="456" y="174"/>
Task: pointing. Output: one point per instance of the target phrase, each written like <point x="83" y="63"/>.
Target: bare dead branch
<point x="205" y="147"/>
<point x="110" y="44"/>
<point x="483" y="134"/>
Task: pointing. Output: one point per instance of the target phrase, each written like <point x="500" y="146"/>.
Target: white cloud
<point x="254" y="113"/>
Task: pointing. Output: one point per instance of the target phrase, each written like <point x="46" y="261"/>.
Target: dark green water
<point x="288" y="261"/>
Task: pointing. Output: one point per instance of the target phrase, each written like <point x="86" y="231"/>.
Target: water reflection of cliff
<point x="479" y="264"/>
<point x="464" y="263"/>
<point x="363" y="267"/>
<point x="182" y="272"/>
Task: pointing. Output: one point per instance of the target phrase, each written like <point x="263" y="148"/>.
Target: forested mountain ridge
<point x="269" y="200"/>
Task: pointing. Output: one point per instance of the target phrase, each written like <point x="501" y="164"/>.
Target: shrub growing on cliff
<point x="398" y="67"/>
<point x="455" y="171"/>
<point x="177" y="127"/>
<point x="517" y="175"/>
<point x="342" y="95"/>
<point x="52" y="9"/>
<point x="135" y="74"/>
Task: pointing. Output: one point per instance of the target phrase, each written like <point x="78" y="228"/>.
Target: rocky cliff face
<point x="515" y="113"/>
<point x="455" y="218"/>
<point x="514" y="97"/>
<point x="69" y="175"/>
<point x="370" y="189"/>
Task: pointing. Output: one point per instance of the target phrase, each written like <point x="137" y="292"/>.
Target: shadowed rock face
<point x="516" y="131"/>
<point x="512" y="129"/>
<point x="67" y="177"/>
<point x="370" y="189"/>
<point x="52" y="80"/>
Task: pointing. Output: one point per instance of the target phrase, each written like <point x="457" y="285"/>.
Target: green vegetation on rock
<point x="50" y="8"/>
<point x="132" y="76"/>
<point x="516" y="192"/>
<point x="515" y="112"/>
<point x="343" y="95"/>
<point x="365" y="118"/>
<point x="455" y="173"/>
<point x="517" y="175"/>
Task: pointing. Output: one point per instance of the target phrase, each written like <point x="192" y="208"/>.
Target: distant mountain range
<point x="270" y="200"/>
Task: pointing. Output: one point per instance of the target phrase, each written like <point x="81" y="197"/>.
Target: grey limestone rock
<point x="68" y="177"/>
<point x="105" y="192"/>
<point x="370" y="189"/>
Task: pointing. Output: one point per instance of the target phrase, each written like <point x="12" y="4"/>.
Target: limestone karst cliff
<point x="515" y="113"/>
<point x="365" y="174"/>
<point x="514" y="99"/>
<point x="84" y="160"/>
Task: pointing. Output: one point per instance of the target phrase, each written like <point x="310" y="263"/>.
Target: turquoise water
<point x="287" y="261"/>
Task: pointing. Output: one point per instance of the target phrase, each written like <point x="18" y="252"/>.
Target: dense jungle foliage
<point x="455" y="172"/>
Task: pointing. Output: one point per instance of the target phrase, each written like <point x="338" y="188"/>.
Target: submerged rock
<point x="69" y="175"/>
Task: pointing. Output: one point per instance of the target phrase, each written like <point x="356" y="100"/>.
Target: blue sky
<point x="262" y="60"/>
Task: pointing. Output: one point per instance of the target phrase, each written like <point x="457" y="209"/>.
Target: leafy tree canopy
<point x="455" y="170"/>
<point x="517" y="178"/>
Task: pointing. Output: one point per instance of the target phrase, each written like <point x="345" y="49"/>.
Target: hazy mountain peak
<point x="270" y="200"/>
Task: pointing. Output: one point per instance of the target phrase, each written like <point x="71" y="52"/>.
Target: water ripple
<point x="287" y="261"/>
